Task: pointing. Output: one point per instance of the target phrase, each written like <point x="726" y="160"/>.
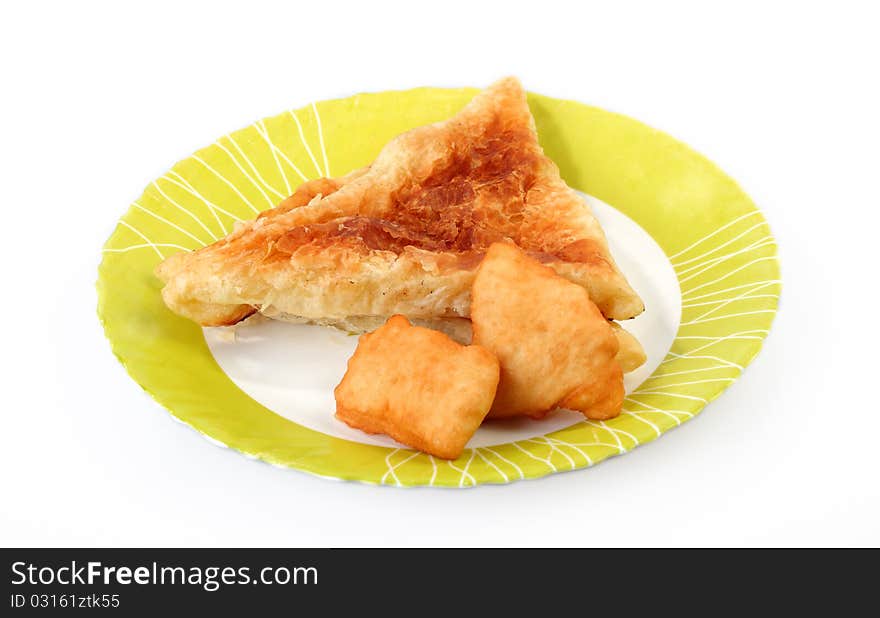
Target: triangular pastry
<point x="407" y="233"/>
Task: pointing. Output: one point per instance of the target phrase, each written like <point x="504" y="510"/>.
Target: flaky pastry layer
<point x="406" y="234"/>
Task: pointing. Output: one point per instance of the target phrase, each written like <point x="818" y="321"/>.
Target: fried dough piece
<point x="630" y="353"/>
<point x="554" y="346"/>
<point x="417" y="386"/>
<point x="406" y="234"/>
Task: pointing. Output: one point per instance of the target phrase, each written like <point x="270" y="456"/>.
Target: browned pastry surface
<point x="406" y="234"/>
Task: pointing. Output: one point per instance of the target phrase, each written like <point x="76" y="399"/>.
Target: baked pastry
<point x="417" y="386"/>
<point x="554" y="346"/>
<point x="406" y="234"/>
<point x="630" y="353"/>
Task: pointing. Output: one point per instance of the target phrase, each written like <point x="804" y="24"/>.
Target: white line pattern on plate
<point x="635" y="415"/>
<point x="553" y="449"/>
<point x="227" y="182"/>
<point x="467" y="467"/>
<point x="391" y="467"/>
<point x="746" y="334"/>
<point x="689" y="355"/>
<point x="434" y="470"/>
<point x="614" y="431"/>
<point x="659" y="376"/>
<point x="731" y="289"/>
<point x="262" y="132"/>
<point x="253" y="167"/>
<point x="493" y="466"/>
<point x="686" y="293"/>
<point x="713" y="234"/>
<point x="302" y="138"/>
<point x="399" y="464"/>
<point x="246" y="175"/>
<point x="124" y="223"/>
<point x="726" y="301"/>
<point x="546" y="462"/>
<point x="144" y="246"/>
<point x="667" y="412"/>
<point x="276" y="151"/>
<point x="321" y="140"/>
<point x="577" y="447"/>
<point x="719" y="247"/>
<point x="726" y="316"/>
<point x="749" y="294"/>
<point x="169" y="223"/>
<point x="184" y="184"/>
<point x="464" y="473"/>
<point x="721" y="260"/>
<point x="190" y="213"/>
<point x="167" y="178"/>
<point x="507" y="461"/>
<point x="668" y="394"/>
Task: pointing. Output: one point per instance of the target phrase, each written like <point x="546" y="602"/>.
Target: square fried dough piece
<point x="555" y="347"/>
<point x="418" y="386"/>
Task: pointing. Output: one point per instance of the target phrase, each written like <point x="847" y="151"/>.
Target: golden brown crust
<point x="630" y="355"/>
<point x="600" y="397"/>
<point x="417" y="386"/>
<point x="554" y="346"/>
<point x="406" y="234"/>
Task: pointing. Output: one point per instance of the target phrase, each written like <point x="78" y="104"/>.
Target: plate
<point x="689" y="239"/>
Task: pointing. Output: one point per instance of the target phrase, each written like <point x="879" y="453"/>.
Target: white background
<point x="99" y="99"/>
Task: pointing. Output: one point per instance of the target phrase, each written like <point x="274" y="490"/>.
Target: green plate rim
<point x="691" y="208"/>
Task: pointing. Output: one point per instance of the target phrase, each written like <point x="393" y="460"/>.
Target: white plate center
<point x="292" y="369"/>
